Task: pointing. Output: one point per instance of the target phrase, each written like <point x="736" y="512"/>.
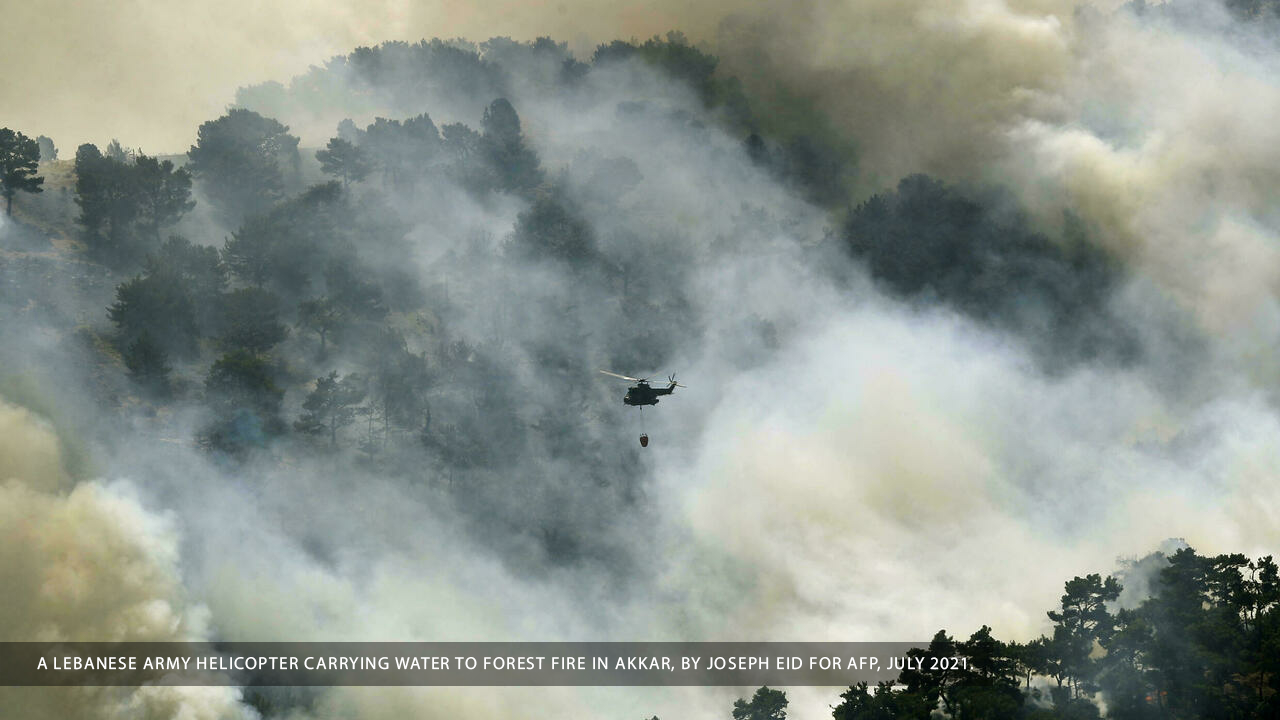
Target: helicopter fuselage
<point x="643" y="394"/>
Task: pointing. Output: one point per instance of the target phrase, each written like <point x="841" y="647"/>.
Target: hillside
<point x="995" y="320"/>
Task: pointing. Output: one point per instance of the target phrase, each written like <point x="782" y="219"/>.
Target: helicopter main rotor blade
<point x="624" y="377"/>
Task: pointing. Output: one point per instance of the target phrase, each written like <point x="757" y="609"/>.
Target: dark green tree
<point x="242" y="379"/>
<point x="549" y="229"/>
<point x="250" y="320"/>
<point x="19" y="158"/>
<point x="460" y="141"/>
<point x="349" y="301"/>
<point x="1124" y="676"/>
<point x="241" y="391"/>
<point x="358" y="298"/>
<point x="815" y="170"/>
<point x="348" y="131"/>
<point x="1081" y="623"/>
<point x="987" y="687"/>
<point x="927" y="238"/>
<point x="148" y="364"/>
<point x="403" y="150"/>
<point x="1254" y="10"/>
<point x="1260" y="614"/>
<point x="125" y="205"/>
<point x="288" y="248"/>
<point x="673" y="55"/>
<point x="321" y="316"/>
<point x="1203" y="645"/>
<point x="331" y="406"/>
<point x="107" y="210"/>
<point x="198" y="268"/>
<point x="932" y="682"/>
<point x="1193" y="631"/>
<point x="159" y="307"/>
<point x="251" y="252"/>
<point x="163" y="194"/>
<point x="242" y="159"/>
<point x="398" y="386"/>
<point x="1029" y="659"/>
<point x="344" y="160"/>
<point x="766" y="704"/>
<point x="514" y="165"/>
<point x="859" y="703"/>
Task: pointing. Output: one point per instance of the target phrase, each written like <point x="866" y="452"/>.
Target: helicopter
<point x="642" y="394"/>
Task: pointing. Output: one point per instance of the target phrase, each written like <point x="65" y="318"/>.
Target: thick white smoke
<point x="1153" y="125"/>
<point x="882" y="471"/>
<point x="89" y="563"/>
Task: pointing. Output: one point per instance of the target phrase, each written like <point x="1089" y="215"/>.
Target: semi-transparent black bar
<point x="461" y="663"/>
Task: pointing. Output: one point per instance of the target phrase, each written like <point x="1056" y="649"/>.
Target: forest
<point x="1204" y="644"/>
<point x="374" y="300"/>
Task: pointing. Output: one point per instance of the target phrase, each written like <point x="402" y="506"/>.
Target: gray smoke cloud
<point x="843" y="465"/>
<point x="1149" y="124"/>
<point x="89" y="562"/>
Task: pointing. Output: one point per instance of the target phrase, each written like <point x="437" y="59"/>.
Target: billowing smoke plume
<point x="1149" y="121"/>
<point x="870" y="446"/>
<point x="89" y="563"/>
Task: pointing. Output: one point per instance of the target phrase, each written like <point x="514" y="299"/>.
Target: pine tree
<point x="19" y="157"/>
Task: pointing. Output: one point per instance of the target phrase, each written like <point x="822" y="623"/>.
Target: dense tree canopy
<point x="1204" y="645"/>
<point x="926" y="239"/>
<point x="345" y="160"/>
<point x="126" y="204"/>
<point x="163" y="194"/>
<point x="158" y="306"/>
<point x="331" y="406"/>
<point x="449" y="292"/>
<point x="148" y="363"/>
<point x="249" y="319"/>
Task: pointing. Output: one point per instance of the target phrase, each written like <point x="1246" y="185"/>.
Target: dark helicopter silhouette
<point x="642" y="394"/>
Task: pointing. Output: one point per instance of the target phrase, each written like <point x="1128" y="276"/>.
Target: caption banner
<point x="462" y="663"/>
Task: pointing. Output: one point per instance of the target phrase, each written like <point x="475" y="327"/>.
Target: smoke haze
<point x="850" y="461"/>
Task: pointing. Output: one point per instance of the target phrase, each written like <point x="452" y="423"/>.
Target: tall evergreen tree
<point x="331" y="406"/>
<point x="163" y="194"/>
<point x="514" y="165"/>
<point x="19" y="158"/>
<point x="344" y="160"/>
<point x="250" y="320"/>
<point x="765" y="704"/>
<point x="242" y="159"/>
<point x="148" y="363"/>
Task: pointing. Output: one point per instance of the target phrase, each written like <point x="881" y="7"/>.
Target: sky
<point x="943" y="479"/>
<point x="148" y="73"/>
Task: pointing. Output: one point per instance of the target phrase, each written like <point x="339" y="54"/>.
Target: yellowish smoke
<point x="87" y="563"/>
